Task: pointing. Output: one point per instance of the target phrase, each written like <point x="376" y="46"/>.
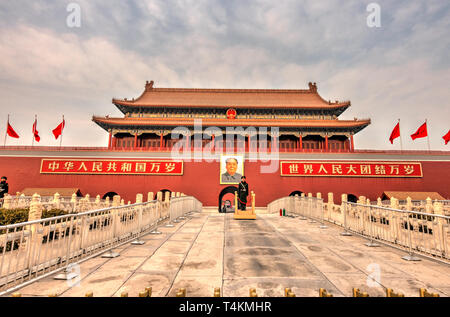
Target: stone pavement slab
<point x="209" y="250"/>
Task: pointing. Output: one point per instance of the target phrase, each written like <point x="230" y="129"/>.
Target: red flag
<point x="421" y="132"/>
<point x="58" y="130"/>
<point x="395" y="133"/>
<point x="35" y="131"/>
<point x="447" y="137"/>
<point x="11" y="131"/>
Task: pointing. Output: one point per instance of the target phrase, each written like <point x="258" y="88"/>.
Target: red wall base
<point x="201" y="180"/>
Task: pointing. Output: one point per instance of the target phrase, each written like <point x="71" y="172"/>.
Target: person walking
<point x="242" y="193"/>
<point x="3" y="187"/>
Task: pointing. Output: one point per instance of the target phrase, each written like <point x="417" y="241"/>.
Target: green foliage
<point x="13" y="216"/>
<point x="9" y="217"/>
<point x="53" y="213"/>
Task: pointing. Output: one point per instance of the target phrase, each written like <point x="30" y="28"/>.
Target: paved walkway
<point x="211" y="250"/>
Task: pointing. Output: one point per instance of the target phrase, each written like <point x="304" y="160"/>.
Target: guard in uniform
<point x="242" y="193"/>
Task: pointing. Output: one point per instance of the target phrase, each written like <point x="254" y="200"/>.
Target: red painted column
<point x="109" y="140"/>
<point x="301" y="142"/>
<point x="353" y="143"/>
<point x="326" y="142"/>
<point x="212" y="142"/>
<point x="161" y="141"/>
<point x="188" y="140"/>
<point x="114" y="142"/>
<point x="135" y="140"/>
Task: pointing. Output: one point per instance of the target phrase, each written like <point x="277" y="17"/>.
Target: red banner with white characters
<point x="351" y="169"/>
<point x="111" y="167"/>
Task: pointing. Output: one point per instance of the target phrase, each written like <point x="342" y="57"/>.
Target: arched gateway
<point x="227" y="190"/>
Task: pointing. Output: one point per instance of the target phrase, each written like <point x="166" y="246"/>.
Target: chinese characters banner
<point x="355" y="169"/>
<point x="111" y="167"/>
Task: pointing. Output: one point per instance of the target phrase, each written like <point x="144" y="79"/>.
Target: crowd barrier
<point x="41" y="247"/>
<point x="424" y="233"/>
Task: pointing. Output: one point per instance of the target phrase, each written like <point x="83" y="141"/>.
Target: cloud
<point x="400" y="70"/>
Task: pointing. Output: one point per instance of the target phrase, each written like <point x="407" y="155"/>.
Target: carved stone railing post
<point x="98" y="203"/>
<point x="396" y="220"/>
<point x="57" y="201"/>
<point x="139" y="209"/>
<point x="159" y="198"/>
<point x="429" y="206"/>
<point x="166" y="203"/>
<point x="22" y="201"/>
<point x="343" y="202"/>
<point x="329" y="205"/>
<point x="7" y="201"/>
<point x="116" y="201"/>
<point x="442" y="228"/>
<point x="74" y="203"/>
<point x="34" y="242"/>
<point x="409" y="204"/>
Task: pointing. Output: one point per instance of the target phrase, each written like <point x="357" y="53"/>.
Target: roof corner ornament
<point x="312" y="87"/>
<point x="149" y="85"/>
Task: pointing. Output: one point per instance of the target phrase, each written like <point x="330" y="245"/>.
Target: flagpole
<point x="401" y="143"/>
<point x="428" y="136"/>
<point x="34" y="129"/>
<point x="6" y="132"/>
<point x="60" y="141"/>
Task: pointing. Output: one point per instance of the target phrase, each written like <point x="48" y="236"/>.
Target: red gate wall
<point x="201" y="180"/>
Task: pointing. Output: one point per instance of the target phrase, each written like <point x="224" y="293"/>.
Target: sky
<point x="399" y="70"/>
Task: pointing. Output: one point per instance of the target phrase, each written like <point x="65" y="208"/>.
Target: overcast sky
<point x="400" y="70"/>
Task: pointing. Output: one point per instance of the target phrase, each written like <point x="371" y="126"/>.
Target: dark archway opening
<point x="163" y="194"/>
<point x="110" y="195"/>
<point x="297" y="192"/>
<point x="227" y="190"/>
<point x="352" y="198"/>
